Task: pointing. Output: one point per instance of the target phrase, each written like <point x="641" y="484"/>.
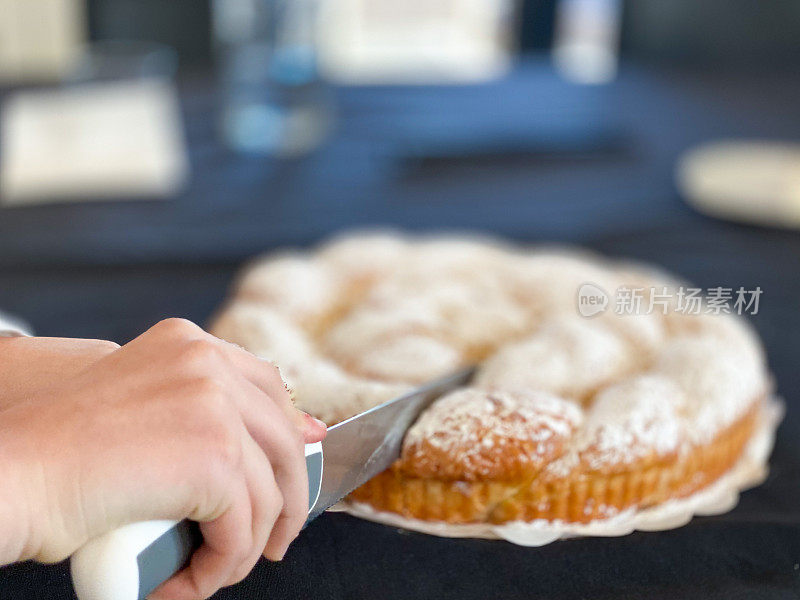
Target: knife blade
<point x="130" y="562"/>
<point x="362" y="446"/>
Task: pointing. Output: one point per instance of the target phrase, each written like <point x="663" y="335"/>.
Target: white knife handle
<point x="130" y="562"/>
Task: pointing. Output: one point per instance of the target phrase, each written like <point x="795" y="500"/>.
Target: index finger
<point x="266" y="376"/>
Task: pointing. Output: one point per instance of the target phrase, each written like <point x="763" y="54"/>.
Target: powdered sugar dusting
<point x="471" y="427"/>
<point x="568" y="356"/>
<point x="451" y="421"/>
<point x="365" y="318"/>
<point x="631" y="420"/>
<point x="721" y="381"/>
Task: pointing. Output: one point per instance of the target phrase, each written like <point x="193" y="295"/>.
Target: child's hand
<point x="176" y="424"/>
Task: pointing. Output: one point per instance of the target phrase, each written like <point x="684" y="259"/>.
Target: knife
<point x="130" y="562"/>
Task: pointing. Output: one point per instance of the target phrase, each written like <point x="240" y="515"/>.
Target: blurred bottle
<point x="274" y="101"/>
<point x="586" y="40"/>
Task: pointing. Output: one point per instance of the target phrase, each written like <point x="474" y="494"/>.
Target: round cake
<point x="573" y="416"/>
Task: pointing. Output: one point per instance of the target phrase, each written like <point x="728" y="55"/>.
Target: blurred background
<point x="148" y="148"/>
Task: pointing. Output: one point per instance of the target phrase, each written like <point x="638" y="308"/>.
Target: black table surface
<point x="543" y="162"/>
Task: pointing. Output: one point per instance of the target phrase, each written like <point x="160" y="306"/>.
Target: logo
<point x="592" y="300"/>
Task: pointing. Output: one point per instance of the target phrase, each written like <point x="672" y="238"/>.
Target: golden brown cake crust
<point x="474" y="435"/>
<point x="580" y="497"/>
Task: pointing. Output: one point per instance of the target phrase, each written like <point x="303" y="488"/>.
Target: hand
<point x="176" y="424"/>
<point x="32" y="363"/>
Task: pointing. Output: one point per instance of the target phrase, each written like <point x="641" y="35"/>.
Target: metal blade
<point x="359" y="448"/>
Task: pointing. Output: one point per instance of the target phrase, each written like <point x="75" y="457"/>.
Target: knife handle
<point x="130" y="562"/>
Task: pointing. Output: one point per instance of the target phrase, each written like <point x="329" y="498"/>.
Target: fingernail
<point x="316" y="421"/>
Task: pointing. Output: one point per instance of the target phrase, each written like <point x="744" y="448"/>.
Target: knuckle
<point x="176" y="327"/>
<point x="244" y="569"/>
<point x="214" y="424"/>
<point x="199" y="354"/>
<point x="105" y="346"/>
<point x="287" y="431"/>
<point x="201" y="587"/>
<point x="224" y="444"/>
<point x="194" y="401"/>
<point x="274" y="509"/>
<point x="288" y="443"/>
<point x="275" y="502"/>
<point x="212" y="419"/>
<point x="293" y="438"/>
<point x="208" y="397"/>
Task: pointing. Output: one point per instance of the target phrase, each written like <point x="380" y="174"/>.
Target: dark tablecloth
<point x="110" y="270"/>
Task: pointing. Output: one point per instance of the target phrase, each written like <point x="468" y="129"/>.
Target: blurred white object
<point x="93" y="141"/>
<point x="586" y="40"/>
<point x="13" y="327"/>
<point x="40" y="39"/>
<point x="414" y="41"/>
<point x="756" y="182"/>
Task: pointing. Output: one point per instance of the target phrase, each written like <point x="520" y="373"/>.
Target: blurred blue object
<point x="273" y="99"/>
